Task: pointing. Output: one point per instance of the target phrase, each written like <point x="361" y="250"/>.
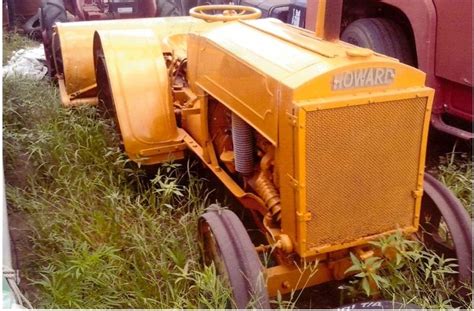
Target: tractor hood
<point x="265" y="62"/>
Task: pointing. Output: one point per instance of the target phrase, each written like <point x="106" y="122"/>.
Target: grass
<point x="13" y="42"/>
<point x="105" y="235"/>
<point x="455" y="171"/>
<point x="409" y="273"/>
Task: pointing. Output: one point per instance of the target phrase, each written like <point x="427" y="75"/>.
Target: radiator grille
<point x="362" y="165"/>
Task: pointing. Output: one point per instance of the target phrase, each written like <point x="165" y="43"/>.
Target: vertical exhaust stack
<point x="324" y="16"/>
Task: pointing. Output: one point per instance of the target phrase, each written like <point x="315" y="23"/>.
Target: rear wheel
<point x="174" y="7"/>
<point x="381" y="35"/>
<point x="226" y="243"/>
<point x="51" y="12"/>
<point x="445" y="226"/>
<point x="32" y="27"/>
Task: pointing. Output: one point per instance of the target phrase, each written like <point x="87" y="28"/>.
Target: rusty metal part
<point x="229" y="12"/>
<point x="440" y="205"/>
<point x="226" y="242"/>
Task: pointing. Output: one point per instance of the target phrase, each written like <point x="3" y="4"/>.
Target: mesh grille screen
<point x="362" y="166"/>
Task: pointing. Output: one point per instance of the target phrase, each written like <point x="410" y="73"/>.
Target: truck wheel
<point x="32" y="27"/>
<point x="170" y="8"/>
<point x="381" y="35"/>
<point x="445" y="226"/>
<point x="51" y="12"/>
<point x="225" y="242"/>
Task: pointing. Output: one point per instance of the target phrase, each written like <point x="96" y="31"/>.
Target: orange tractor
<point x="321" y="141"/>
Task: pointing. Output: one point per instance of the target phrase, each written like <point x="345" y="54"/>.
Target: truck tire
<point x="32" y="27"/>
<point x="51" y="12"/>
<point x="173" y="7"/>
<point x="381" y="35"/>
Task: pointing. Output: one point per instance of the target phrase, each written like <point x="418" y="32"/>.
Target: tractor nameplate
<point x="365" y="77"/>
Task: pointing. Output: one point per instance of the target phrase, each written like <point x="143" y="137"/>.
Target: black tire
<point x="32" y="27"/>
<point x="51" y="12"/>
<point x="225" y="242"/>
<point x="174" y="7"/>
<point x="381" y="35"/>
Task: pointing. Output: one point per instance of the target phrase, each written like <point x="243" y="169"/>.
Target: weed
<point x="409" y="273"/>
<point x="12" y="42"/>
<point x="103" y="236"/>
<point x="455" y="171"/>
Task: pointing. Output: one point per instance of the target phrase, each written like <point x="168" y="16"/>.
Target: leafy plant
<point x="407" y="272"/>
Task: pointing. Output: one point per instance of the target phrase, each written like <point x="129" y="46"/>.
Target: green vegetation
<point x="103" y="237"/>
<point x="106" y="235"/>
<point x="410" y="274"/>
<point x="13" y="42"/>
<point x="455" y="171"/>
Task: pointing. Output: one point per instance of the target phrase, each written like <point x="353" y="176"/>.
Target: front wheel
<point x="226" y="243"/>
<point x="445" y="226"/>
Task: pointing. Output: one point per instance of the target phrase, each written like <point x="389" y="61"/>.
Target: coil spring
<point x="244" y="146"/>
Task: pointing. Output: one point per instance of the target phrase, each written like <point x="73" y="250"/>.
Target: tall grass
<point x="455" y="171"/>
<point x="409" y="273"/>
<point x="103" y="236"/>
<point x="12" y="42"/>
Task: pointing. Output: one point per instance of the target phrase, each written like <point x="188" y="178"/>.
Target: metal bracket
<point x="417" y="193"/>
<point x="294" y="183"/>
<point x="292" y="119"/>
<point x="303" y="217"/>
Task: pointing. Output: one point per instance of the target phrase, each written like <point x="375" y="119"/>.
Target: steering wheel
<point x="229" y="12"/>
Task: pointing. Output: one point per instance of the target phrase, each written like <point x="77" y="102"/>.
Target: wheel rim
<point x="445" y="226"/>
<point x="225" y="242"/>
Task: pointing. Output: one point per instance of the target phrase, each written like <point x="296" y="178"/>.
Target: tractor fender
<point x="74" y="58"/>
<point x="139" y="86"/>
